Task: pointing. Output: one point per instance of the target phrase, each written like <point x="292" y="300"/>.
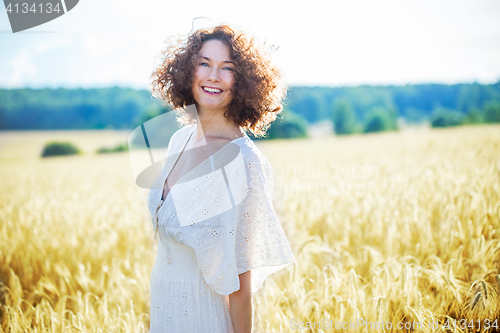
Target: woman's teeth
<point x="212" y="90"/>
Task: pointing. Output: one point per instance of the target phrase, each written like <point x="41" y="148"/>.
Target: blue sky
<point x="326" y="43"/>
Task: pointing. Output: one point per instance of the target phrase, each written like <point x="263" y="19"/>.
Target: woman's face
<point x="213" y="77"/>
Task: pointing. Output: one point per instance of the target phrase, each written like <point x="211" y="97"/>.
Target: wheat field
<point x="387" y="229"/>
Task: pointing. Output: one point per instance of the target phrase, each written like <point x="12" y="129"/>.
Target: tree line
<point x="351" y="109"/>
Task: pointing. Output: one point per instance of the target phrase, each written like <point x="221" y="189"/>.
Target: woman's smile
<point x="212" y="91"/>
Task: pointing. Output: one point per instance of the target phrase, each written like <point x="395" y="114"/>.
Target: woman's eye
<point x="204" y="64"/>
<point x="228" y="68"/>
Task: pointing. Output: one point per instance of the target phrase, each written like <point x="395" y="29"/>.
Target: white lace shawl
<point x="226" y="214"/>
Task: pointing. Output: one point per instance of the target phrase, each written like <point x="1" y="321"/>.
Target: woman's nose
<point x="213" y="75"/>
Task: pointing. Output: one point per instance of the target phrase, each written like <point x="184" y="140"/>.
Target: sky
<point x="319" y="43"/>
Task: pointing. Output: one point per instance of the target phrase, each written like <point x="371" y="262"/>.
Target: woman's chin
<point x="213" y="106"/>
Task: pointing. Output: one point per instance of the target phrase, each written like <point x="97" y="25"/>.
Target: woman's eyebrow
<point x="226" y="61"/>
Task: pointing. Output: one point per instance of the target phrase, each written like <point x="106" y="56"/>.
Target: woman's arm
<point x="240" y="305"/>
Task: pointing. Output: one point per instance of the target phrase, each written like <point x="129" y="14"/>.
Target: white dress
<point x="216" y="222"/>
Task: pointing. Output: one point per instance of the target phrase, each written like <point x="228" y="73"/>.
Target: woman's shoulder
<point x="185" y="130"/>
<point x="251" y="153"/>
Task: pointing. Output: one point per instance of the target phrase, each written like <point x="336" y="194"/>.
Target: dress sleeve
<point x="240" y="230"/>
<point x="260" y="244"/>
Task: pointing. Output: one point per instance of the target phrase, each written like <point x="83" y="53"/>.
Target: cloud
<point x="23" y="66"/>
<point x="23" y="69"/>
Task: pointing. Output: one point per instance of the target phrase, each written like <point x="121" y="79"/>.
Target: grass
<point x="393" y="227"/>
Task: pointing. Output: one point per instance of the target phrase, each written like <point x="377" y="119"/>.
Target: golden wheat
<point x="394" y="227"/>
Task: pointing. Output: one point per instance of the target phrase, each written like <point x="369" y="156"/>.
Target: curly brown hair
<point x="258" y="91"/>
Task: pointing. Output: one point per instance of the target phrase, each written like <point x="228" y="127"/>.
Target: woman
<point x="219" y="234"/>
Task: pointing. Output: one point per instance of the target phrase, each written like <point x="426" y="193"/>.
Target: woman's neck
<point x="215" y="125"/>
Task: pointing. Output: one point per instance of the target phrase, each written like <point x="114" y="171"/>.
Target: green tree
<point x="309" y="108"/>
<point x="60" y="148"/>
<point x="379" y="119"/>
<point x="414" y="115"/>
<point x="291" y="125"/>
<point x="443" y="117"/>
<point x="492" y="112"/>
<point x="474" y="116"/>
<point x="343" y="117"/>
<point x="116" y="149"/>
<point x="149" y="113"/>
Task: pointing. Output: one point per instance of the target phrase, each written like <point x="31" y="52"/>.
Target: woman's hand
<point x="240" y="305"/>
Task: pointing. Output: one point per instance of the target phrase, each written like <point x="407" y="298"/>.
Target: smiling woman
<point x="220" y="237"/>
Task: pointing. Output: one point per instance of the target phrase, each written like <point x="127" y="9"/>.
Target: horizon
<point x="290" y="86"/>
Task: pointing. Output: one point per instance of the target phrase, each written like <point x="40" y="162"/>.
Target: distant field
<point x="386" y="228"/>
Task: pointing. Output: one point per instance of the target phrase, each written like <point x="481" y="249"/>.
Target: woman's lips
<point x="211" y="90"/>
